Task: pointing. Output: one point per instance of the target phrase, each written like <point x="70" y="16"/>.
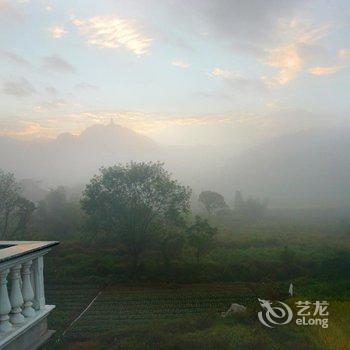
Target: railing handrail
<point x="16" y="249"/>
<point x="23" y="306"/>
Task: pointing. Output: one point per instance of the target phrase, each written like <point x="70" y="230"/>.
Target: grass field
<point x="178" y="307"/>
<point x="141" y="316"/>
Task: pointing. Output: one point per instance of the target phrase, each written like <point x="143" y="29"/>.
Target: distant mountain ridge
<point x="68" y="157"/>
<point x="304" y="170"/>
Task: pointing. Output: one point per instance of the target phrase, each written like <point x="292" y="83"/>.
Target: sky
<point x="194" y="72"/>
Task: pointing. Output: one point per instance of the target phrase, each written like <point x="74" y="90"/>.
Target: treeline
<point x="55" y="216"/>
<point x="138" y="208"/>
<point x="250" y="208"/>
<point x="135" y="221"/>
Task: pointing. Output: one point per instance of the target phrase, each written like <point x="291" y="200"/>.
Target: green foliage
<point x="211" y="201"/>
<point x="133" y="203"/>
<point x="201" y="236"/>
<point x="15" y="210"/>
<point x="169" y="244"/>
<point x="263" y="251"/>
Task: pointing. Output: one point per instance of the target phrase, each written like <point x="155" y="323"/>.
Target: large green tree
<point x="134" y="203"/>
<point x="15" y="210"/>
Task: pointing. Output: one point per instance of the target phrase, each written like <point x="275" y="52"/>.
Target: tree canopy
<point x="15" y="210"/>
<point x="134" y="202"/>
<point x="211" y="200"/>
<point x="201" y="236"/>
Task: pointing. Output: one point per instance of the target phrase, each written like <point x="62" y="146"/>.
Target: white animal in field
<point x="234" y="309"/>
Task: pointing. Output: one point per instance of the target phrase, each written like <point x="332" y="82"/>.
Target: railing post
<point x="38" y="277"/>
<point x="5" y="306"/>
<point x="27" y="290"/>
<point x="16" y="295"/>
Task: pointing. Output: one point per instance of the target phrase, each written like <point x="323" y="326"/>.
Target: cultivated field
<point x="122" y="305"/>
<point x="135" y="317"/>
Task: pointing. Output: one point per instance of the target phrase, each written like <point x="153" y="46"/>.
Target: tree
<point x="133" y="202"/>
<point x="201" y="236"/>
<point x="211" y="200"/>
<point x="255" y="208"/>
<point x="57" y="216"/>
<point x="239" y="203"/>
<point x="169" y="244"/>
<point x="15" y="211"/>
<point x="251" y="208"/>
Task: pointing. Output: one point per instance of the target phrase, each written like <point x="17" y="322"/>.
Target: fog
<point x="306" y="169"/>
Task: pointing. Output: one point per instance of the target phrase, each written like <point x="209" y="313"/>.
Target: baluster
<point x="5" y="306"/>
<point x="27" y="290"/>
<point x="38" y="276"/>
<point x="16" y="295"/>
<point x="32" y="282"/>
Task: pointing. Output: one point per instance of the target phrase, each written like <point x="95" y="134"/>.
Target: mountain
<point x="70" y="159"/>
<point x="308" y="169"/>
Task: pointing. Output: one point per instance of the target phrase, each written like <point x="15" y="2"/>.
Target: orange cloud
<point x="287" y="60"/>
<point x="324" y="70"/>
<point x="57" y="32"/>
<point x="113" y="32"/>
<point x="29" y="131"/>
<point x="286" y="57"/>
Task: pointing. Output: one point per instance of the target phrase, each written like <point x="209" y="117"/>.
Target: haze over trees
<point x="57" y="215"/>
<point x="251" y="208"/>
<point x="269" y="169"/>
<point x="134" y="222"/>
<point x="15" y="210"/>
<point x="212" y="201"/>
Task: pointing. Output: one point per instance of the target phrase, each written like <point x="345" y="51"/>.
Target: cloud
<point x="226" y="74"/>
<point x="288" y="62"/>
<point x="237" y="80"/>
<point x="179" y="63"/>
<point x="232" y="20"/>
<point x="141" y="121"/>
<point x="13" y="57"/>
<point x="344" y="53"/>
<point x="58" y="64"/>
<point x="113" y="32"/>
<point x="54" y="103"/>
<point x="324" y="70"/>
<point x="26" y="130"/>
<point x="9" y="12"/>
<point x="20" y="87"/>
<point x="298" y="50"/>
<point x="57" y="32"/>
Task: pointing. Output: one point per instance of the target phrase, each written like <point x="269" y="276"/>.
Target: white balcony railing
<point x="23" y="311"/>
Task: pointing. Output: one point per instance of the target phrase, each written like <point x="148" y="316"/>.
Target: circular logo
<point x="274" y="315"/>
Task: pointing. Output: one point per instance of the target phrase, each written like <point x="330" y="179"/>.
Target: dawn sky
<point x="182" y="72"/>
